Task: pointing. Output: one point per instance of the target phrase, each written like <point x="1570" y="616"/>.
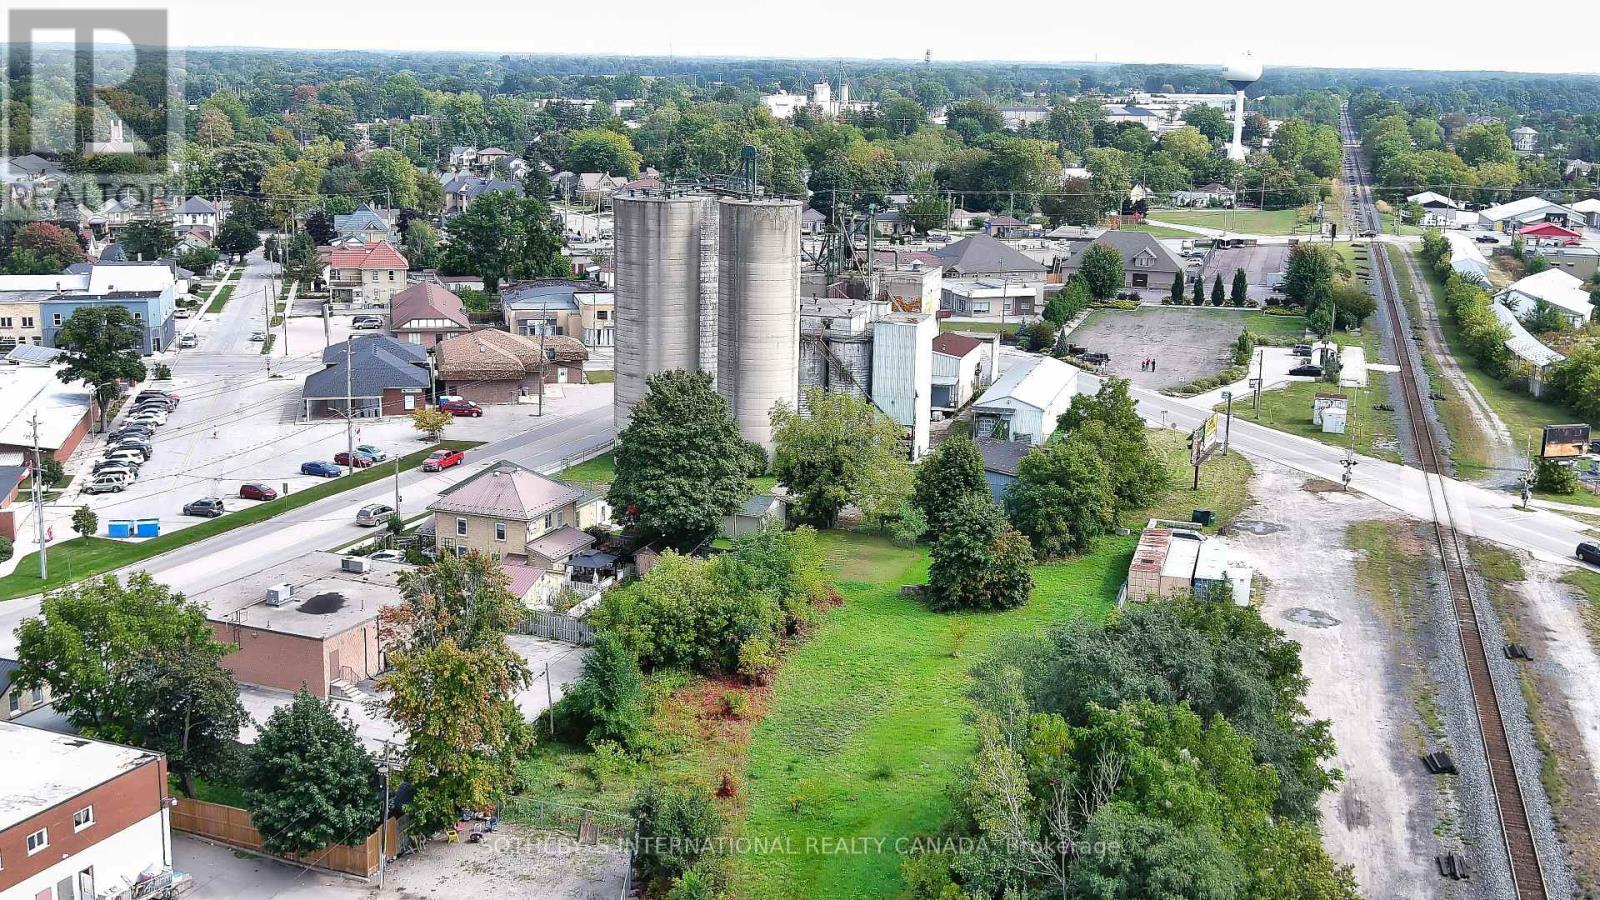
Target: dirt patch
<point x="1321" y="486"/>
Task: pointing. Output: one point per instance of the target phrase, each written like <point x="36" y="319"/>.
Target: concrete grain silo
<point x="758" y="310"/>
<point x="665" y="290"/>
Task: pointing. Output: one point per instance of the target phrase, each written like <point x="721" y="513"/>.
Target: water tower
<point x="1241" y="72"/>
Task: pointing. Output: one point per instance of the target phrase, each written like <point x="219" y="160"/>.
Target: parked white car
<point x="106" y="482"/>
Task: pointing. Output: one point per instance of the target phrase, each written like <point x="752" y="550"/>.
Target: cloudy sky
<point x="1353" y="34"/>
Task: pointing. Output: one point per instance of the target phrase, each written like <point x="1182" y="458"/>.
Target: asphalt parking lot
<point x="1186" y="342"/>
<point x="1259" y="263"/>
<point x="235" y="423"/>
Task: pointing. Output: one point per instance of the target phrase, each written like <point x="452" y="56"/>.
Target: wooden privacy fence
<point x="232" y="826"/>
<point x="558" y="627"/>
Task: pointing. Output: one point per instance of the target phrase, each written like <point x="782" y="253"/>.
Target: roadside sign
<point x="1564" y="441"/>
<point x="1255" y="383"/>
<point x="1203" y="440"/>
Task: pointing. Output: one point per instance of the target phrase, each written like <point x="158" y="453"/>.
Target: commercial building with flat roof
<point x="308" y="622"/>
<point x="78" y="818"/>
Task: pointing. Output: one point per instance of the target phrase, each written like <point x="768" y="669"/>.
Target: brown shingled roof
<point x="492" y="354"/>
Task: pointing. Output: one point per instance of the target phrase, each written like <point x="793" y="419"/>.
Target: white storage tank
<point x="664" y="289"/>
<point x="758" y="310"/>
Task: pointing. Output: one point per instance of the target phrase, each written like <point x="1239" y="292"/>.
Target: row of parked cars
<point x="133" y="442"/>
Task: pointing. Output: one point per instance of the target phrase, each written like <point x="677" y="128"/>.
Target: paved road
<point x="577" y="423"/>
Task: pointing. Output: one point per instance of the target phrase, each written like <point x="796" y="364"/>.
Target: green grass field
<point x="1277" y="329"/>
<point x="867" y="726"/>
<point x="600" y="376"/>
<point x="1243" y="221"/>
<point x="83" y="557"/>
<point x="982" y="327"/>
<point x="1372" y="432"/>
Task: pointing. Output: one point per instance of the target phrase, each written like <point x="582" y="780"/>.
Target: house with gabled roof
<point x="365" y="275"/>
<point x="197" y="214"/>
<point x="525" y="521"/>
<point x="1147" y="264"/>
<point x="365" y="223"/>
<point x="982" y="254"/>
<point x="426" y="313"/>
<point x="492" y="366"/>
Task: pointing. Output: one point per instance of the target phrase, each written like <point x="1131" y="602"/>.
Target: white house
<point x="1025" y="402"/>
<point x="963" y="364"/>
<point x="1553" y="288"/>
<point x="1524" y="139"/>
<point x="1438" y="211"/>
<point x="196" y="213"/>
<point x="1590" y="209"/>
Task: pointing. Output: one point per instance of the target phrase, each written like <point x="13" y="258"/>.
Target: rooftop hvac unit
<point x="360" y="565"/>
<point x="280" y="594"/>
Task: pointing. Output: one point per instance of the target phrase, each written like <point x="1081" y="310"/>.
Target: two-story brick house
<point x="528" y="523"/>
<point x="365" y="275"/>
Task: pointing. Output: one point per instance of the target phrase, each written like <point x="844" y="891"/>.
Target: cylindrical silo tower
<point x="758" y="310"/>
<point x="663" y="279"/>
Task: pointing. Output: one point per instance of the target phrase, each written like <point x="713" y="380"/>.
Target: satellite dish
<point x="1242" y="71"/>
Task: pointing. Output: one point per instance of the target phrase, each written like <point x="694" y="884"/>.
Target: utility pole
<point x="38" y="501"/>
<point x="397" y="484"/>
<point x="349" y="408"/>
<point x="1261" y="377"/>
<point x="544" y="325"/>
<point x="1227" y="431"/>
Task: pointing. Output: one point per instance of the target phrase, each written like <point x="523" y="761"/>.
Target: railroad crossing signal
<point x="1349" y="462"/>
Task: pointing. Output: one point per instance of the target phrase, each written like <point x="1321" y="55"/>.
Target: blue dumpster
<point x="147" y="528"/>
<point x="120" y="528"/>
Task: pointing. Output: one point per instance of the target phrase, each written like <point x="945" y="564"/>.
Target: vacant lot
<point x="1187" y="342"/>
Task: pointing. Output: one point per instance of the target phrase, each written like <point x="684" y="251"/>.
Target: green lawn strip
<point x="1288" y="408"/>
<point x="1243" y="221"/>
<point x="980" y="327"/>
<point x="600" y="376"/>
<point x="868" y="727"/>
<point x="1276" y="329"/>
<point x="1522" y="414"/>
<point x="1161" y="231"/>
<point x="1224" y="483"/>
<point x="85" y="557"/>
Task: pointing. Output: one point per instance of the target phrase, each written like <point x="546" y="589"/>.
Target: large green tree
<point x="681" y="463"/>
<point x="134" y="663"/>
<point x="102" y="345"/>
<point x="1062" y="498"/>
<point x="607" y="702"/>
<point x="980" y="562"/>
<point x="602" y="150"/>
<point x="308" y="782"/>
<point x="1110" y="421"/>
<point x="947" y="476"/>
<point x="844" y="451"/>
<point x="237" y="238"/>
<point x="149" y="240"/>
<point x="1102" y="271"/>
<point x="501" y="236"/>
<point x="451" y="687"/>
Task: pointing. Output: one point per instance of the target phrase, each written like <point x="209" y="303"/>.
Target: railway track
<point x="1522" y="853"/>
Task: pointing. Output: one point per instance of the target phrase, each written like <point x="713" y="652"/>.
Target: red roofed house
<point x="528" y="523"/>
<point x="366" y="275"/>
<point x="426" y="313"/>
<point x="1547" y="234"/>
<point x="963" y="365"/>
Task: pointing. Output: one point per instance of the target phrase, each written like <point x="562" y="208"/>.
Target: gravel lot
<point x="1381" y="818"/>
<point x="1187" y="342"/>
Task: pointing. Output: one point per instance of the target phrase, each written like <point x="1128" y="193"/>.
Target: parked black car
<point x="1308" y="369"/>
<point x="1589" y="553"/>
